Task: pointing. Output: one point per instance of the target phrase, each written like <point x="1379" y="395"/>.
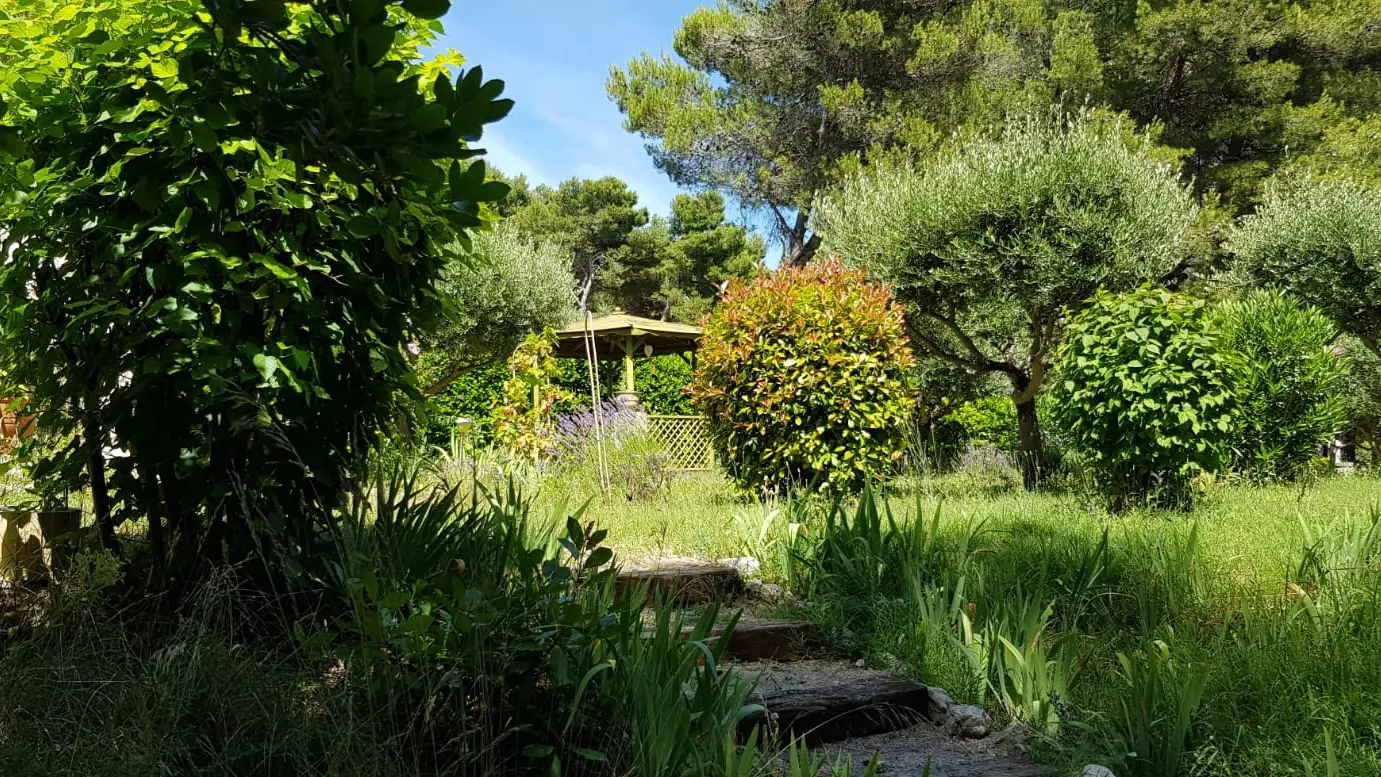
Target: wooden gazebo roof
<point x="621" y="334"/>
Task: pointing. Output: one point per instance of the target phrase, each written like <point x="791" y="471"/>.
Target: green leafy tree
<point x="771" y="101"/>
<point x="591" y="221"/>
<point x="502" y="289"/>
<point x="223" y="223"/>
<point x="1144" y="394"/>
<point x="523" y="420"/>
<point x="1247" y="85"/>
<point x="1320" y="241"/>
<point x="623" y="258"/>
<point x="775" y="101"/>
<point x="1288" y="384"/>
<point x="703" y="252"/>
<point x="990" y="245"/>
<point x="804" y="374"/>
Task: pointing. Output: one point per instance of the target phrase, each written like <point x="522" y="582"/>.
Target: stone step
<point x="764" y="640"/>
<point x="683" y="583"/>
<point x="821" y="701"/>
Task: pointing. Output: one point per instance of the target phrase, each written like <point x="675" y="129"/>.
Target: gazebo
<point x="628" y="337"/>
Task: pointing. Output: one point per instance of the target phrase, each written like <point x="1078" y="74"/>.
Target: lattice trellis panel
<point x="686" y="439"/>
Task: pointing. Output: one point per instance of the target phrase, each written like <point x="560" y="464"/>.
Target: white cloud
<point x="505" y="155"/>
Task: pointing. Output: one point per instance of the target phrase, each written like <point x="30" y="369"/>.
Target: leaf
<point x="443" y="90"/>
<point x="538" y="751"/>
<point x="9" y="143"/>
<point x="267" y="365"/>
<point x="466" y="186"/>
<point x="204" y="137"/>
<point x="427" y="9"/>
<point x="164" y="68"/>
<point x="599" y="558"/>
<point x="493" y="191"/>
<point x="378" y="41"/>
<point x="430" y="117"/>
<point x="363" y="225"/>
<point x="497" y="110"/>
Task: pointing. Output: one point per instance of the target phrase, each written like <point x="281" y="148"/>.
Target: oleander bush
<point x="1288" y="383"/>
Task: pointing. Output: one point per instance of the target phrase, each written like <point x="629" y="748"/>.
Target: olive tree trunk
<point x="1028" y="432"/>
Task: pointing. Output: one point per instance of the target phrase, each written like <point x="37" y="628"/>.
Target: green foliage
<point x="523" y="418"/>
<point x="991" y="245"/>
<point x="622" y="258"/>
<point x="990" y="422"/>
<point x="804" y="376"/>
<point x="1360" y="393"/>
<point x="1288" y="383"/>
<point x="503" y="288"/>
<point x="468" y="607"/>
<point x="1157" y="715"/>
<point x="775" y="102"/>
<point x="1320" y="241"/>
<point x="223" y="223"/>
<point x="663" y="384"/>
<point x="1144" y="394"/>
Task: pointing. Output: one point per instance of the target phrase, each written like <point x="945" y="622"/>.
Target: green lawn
<point x="1285" y="641"/>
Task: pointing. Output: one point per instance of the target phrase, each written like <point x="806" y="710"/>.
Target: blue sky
<point x="554" y="56"/>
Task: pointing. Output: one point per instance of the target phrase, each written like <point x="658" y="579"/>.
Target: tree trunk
<point x="1029" y="433"/>
<point x="800" y="251"/>
<point x="100" y="495"/>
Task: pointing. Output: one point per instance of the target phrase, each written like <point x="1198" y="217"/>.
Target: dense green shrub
<point x="1320" y="241"/>
<point x="663" y="382"/>
<point x="1144" y="394"/>
<point x="805" y="374"/>
<point x="1287" y="385"/>
<point x="1360" y="392"/>
<point x="989" y="422"/>
<point x="223" y="223"/>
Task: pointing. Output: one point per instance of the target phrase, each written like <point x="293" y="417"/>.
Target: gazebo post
<point x="628" y="383"/>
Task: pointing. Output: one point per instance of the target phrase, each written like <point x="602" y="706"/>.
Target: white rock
<point x="860" y="663"/>
<point x="767" y="592"/>
<point x="940" y="702"/>
<point x="1094" y="770"/>
<point x="968" y="721"/>
<point x="747" y="566"/>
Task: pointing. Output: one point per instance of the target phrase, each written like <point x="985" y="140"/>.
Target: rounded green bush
<point x="805" y="375"/>
<point x="1143" y="394"/>
<point x="1288" y="384"/>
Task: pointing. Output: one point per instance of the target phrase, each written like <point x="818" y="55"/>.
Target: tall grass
<point x="1242" y="641"/>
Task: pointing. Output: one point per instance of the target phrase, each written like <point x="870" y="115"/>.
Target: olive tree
<point x="1319" y="240"/>
<point x="223" y="222"/>
<point x="991" y="244"/>
<point x="503" y="288"/>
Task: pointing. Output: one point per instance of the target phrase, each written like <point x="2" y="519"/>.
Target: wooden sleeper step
<point x="687" y="584"/>
<point x="828" y="707"/>
<point x="767" y="640"/>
